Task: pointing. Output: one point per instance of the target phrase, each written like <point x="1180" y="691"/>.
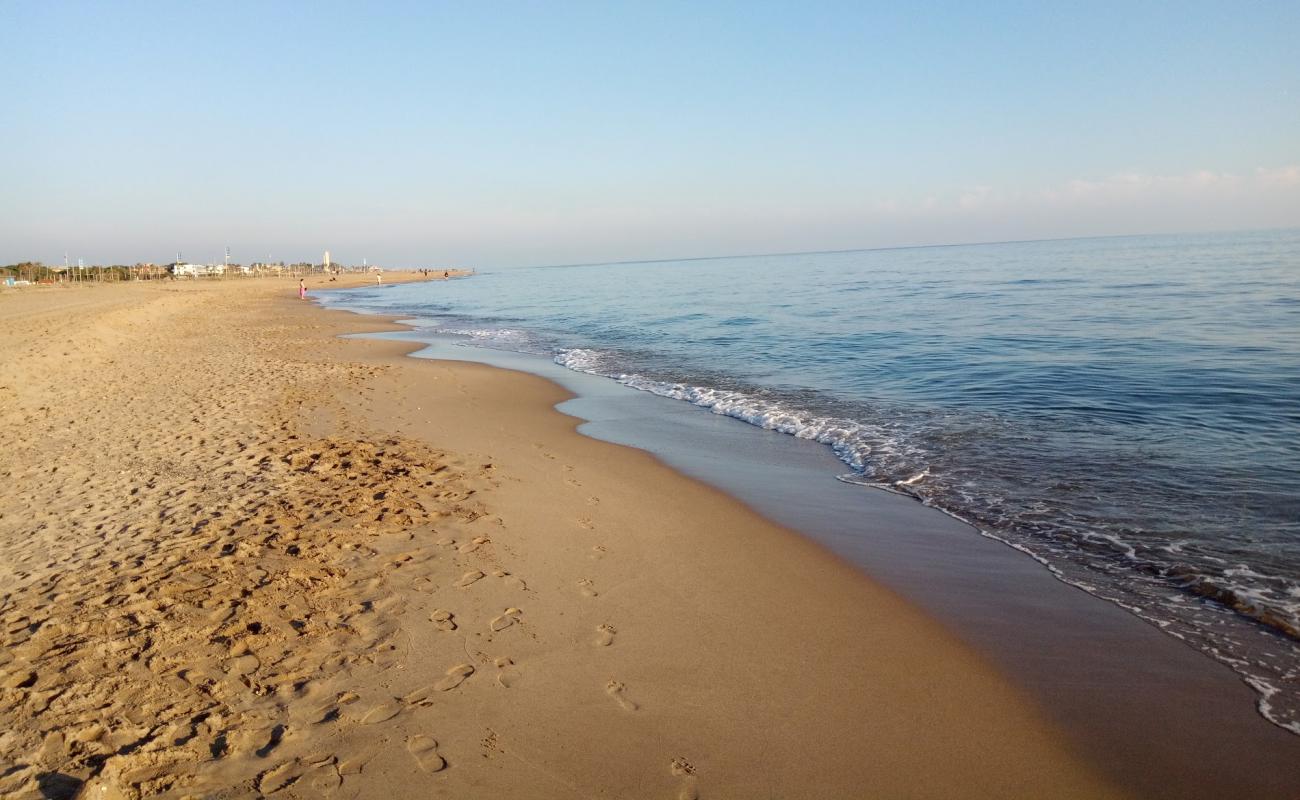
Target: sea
<point x="1125" y="410"/>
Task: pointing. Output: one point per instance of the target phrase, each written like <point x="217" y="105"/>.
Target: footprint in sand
<point x="686" y="771"/>
<point x="587" y="588"/>
<point x="468" y="578"/>
<point x="421" y="697"/>
<point x="598" y="551"/>
<point x="443" y="620"/>
<point x="382" y="712"/>
<point x="425" y="752"/>
<point x="604" y="635"/>
<point x="618" y="691"/>
<point x="512" y="581"/>
<point x="276" y="778"/>
<point x="586" y="524"/>
<point x="323" y="777"/>
<point x="508" y="618"/>
<point x="455" y="677"/>
<point x="474" y="544"/>
<point x="352" y="765"/>
<point x="507" y="675"/>
<point x="445" y="541"/>
<point x="324" y="714"/>
<point x="260" y="741"/>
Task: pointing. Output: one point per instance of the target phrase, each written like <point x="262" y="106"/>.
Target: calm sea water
<point x="1125" y="410"/>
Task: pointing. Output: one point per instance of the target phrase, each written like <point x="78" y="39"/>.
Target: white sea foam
<point x="498" y="335"/>
<point x="851" y="441"/>
<point x="917" y="478"/>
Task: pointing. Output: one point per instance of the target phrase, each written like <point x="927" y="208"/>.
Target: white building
<point x="197" y="270"/>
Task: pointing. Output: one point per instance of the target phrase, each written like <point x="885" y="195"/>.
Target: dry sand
<point x="240" y="556"/>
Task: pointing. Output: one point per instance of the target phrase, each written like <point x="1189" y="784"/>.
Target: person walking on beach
<point x="302" y="289"/>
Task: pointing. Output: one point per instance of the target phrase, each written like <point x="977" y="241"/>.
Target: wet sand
<point x="1155" y="715"/>
<point x="240" y="556"/>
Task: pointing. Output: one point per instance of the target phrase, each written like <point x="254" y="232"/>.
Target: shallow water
<point x="1125" y="410"/>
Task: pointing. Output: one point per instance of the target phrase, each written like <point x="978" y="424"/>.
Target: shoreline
<point x="993" y="417"/>
<point x="1179" y="724"/>
<point x="273" y="568"/>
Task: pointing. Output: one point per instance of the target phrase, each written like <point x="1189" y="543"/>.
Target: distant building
<point x="196" y="270"/>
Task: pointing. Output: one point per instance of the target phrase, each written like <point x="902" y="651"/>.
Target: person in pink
<point x="302" y="289"/>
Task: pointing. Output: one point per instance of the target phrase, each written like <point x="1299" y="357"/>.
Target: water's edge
<point x="1123" y="412"/>
<point x="594" y="391"/>
<point x="1116" y="686"/>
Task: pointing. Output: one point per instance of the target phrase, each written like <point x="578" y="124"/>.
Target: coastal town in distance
<point x="28" y="273"/>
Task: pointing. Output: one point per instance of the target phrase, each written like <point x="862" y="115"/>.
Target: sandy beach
<point x="240" y="556"/>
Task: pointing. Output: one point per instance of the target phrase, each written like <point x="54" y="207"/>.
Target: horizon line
<point x="898" y="247"/>
<point x="887" y="248"/>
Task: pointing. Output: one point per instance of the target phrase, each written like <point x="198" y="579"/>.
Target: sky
<point x="499" y="134"/>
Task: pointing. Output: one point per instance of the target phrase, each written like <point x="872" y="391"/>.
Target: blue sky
<point x="530" y="133"/>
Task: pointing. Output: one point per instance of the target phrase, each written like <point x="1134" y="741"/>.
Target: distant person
<point x="302" y="289"/>
<point x="379" y="278"/>
<point x="446" y="275"/>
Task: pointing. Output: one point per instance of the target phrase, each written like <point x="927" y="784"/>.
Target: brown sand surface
<point x="242" y="557"/>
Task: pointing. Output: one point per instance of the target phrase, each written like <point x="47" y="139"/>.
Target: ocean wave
<point x="853" y="442"/>
<point x="499" y="335"/>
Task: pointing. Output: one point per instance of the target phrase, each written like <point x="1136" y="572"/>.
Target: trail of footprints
<point x="196" y="627"/>
<point x="232" y="623"/>
<point x="253" y="589"/>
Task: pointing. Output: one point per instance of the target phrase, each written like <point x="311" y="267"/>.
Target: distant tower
<point x="227" y="256"/>
<point x="327" y="261"/>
